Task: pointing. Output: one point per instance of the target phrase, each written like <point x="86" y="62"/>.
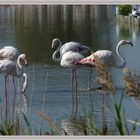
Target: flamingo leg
<point x="104" y="126"/>
<point x="6" y="95"/>
<point x="1" y="110"/>
<point x="75" y="90"/>
<point x="14" y="99"/>
<point x="89" y="82"/>
<point x="72" y="80"/>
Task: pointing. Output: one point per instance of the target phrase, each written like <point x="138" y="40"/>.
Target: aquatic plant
<point x="131" y="82"/>
<point x="105" y="80"/>
<point x="84" y="124"/>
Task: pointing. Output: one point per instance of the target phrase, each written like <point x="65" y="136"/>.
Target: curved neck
<point x="123" y="62"/>
<point x="19" y="67"/>
<point x="54" y="56"/>
<point x="18" y="62"/>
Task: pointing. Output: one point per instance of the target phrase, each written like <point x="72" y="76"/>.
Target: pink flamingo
<point x="106" y="57"/>
<point x="9" y="67"/>
<point x="9" y="52"/>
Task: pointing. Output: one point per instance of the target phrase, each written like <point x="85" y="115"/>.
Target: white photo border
<point x="73" y="2"/>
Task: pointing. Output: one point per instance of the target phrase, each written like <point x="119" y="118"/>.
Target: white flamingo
<point x="70" y="46"/>
<point x="9" y="67"/>
<point x="106" y="57"/>
<point x="69" y="60"/>
<point x="60" y="50"/>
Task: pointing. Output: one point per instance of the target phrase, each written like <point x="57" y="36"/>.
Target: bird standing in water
<point x="107" y="57"/>
<point x="69" y="46"/>
<point x="67" y="55"/>
<point x="9" y="67"/>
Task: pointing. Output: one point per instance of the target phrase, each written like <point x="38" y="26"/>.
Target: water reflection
<point x="34" y="26"/>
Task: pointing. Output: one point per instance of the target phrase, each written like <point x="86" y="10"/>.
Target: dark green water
<point x="31" y="28"/>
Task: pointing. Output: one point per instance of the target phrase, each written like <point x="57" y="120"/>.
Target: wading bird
<point x="107" y="57"/>
<point x="15" y="69"/>
<point x="69" y="60"/>
<point x="60" y="50"/>
<point x="70" y="46"/>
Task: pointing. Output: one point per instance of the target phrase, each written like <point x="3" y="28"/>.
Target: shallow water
<point x="32" y="28"/>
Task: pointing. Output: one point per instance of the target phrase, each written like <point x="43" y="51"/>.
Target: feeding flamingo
<point x="9" y="67"/>
<point x="107" y="57"/>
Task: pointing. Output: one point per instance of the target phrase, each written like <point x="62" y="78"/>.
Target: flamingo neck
<point x="19" y="67"/>
<point x="18" y="62"/>
<point x="55" y="57"/>
<point x="123" y="62"/>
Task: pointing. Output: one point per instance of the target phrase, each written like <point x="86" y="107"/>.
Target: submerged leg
<point x="75" y="90"/>
<point x="14" y="98"/>
<point x="6" y="96"/>
<point x="72" y="79"/>
<point x="104" y="126"/>
<point x="89" y="82"/>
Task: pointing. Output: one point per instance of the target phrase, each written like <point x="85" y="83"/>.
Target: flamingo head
<point x="23" y="59"/>
<point x="124" y="42"/>
<point x="55" y="43"/>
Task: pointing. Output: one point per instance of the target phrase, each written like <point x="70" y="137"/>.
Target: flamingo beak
<point x="54" y="49"/>
<point x="26" y="64"/>
<point x="131" y="44"/>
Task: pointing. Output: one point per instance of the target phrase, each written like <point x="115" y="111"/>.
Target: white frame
<point x="42" y="2"/>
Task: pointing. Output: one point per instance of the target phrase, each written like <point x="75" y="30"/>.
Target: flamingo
<point x="107" y="57"/>
<point x="9" y="52"/>
<point x="15" y="69"/>
<point x="69" y="60"/>
<point x="69" y="46"/>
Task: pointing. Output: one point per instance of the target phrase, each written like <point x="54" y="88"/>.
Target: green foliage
<point x="6" y="128"/>
<point x="124" y="10"/>
<point x="119" y="119"/>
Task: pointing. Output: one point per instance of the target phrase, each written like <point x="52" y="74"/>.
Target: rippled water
<point x="32" y="28"/>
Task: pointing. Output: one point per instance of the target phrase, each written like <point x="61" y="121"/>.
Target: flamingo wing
<point x="7" y="67"/>
<point x="73" y="46"/>
<point x="9" y="52"/>
<point x="105" y="56"/>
